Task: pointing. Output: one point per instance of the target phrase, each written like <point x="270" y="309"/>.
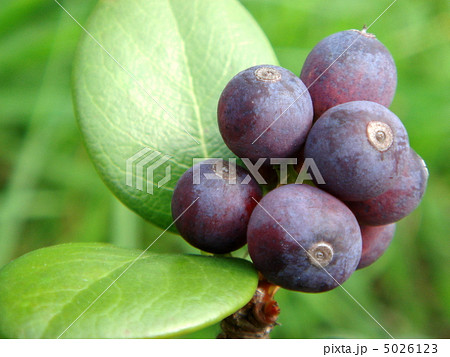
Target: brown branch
<point x="256" y="319"/>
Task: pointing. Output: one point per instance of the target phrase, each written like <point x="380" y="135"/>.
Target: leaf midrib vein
<point x="191" y="81"/>
<point x="80" y="292"/>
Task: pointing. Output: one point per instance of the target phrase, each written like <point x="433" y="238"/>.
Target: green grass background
<point x="51" y="194"/>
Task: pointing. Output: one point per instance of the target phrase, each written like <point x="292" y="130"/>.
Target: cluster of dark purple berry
<point x="302" y="237"/>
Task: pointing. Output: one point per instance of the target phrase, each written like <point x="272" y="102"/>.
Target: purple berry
<point x="400" y="200"/>
<point x="363" y="71"/>
<point x="375" y="241"/>
<point x="304" y="239"/>
<point x="217" y="221"/>
<point x="263" y="112"/>
<point x="359" y="148"/>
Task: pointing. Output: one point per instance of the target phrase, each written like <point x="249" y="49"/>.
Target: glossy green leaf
<point x="174" y="57"/>
<point x="160" y="295"/>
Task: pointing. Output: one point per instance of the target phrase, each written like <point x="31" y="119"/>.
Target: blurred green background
<point x="51" y="194"/>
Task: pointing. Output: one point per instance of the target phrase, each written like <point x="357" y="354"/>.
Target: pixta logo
<point x="140" y="161"/>
<point x="145" y="162"/>
<point x="253" y="169"/>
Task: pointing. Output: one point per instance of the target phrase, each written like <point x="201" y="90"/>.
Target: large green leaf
<point x="178" y="53"/>
<point x="160" y="295"/>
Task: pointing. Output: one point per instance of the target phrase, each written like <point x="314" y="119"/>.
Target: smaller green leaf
<point x="160" y="295"/>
